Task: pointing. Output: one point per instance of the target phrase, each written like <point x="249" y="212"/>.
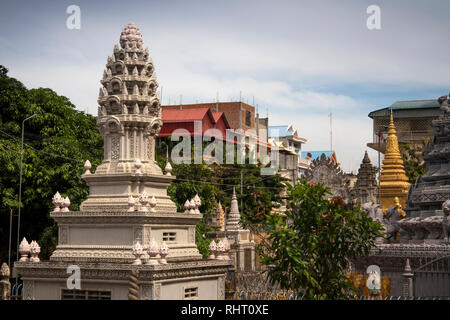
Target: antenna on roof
<point x="181" y="100"/>
<point x="217" y="101"/>
<point x="253" y="100"/>
<point x="240" y="96"/>
<point x="331" y="130"/>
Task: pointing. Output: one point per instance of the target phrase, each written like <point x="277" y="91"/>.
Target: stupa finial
<point x="393" y="181"/>
<point x="131" y="35"/>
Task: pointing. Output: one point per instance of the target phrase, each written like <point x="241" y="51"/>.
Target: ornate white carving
<point x="152" y="204"/>
<point x="138" y="251"/>
<point x="212" y="249"/>
<point x="24" y="250"/>
<point x="57" y="201"/>
<point x="115" y="147"/>
<point x="87" y="167"/>
<point x="163" y="252"/>
<point x="35" y="249"/>
<point x="187" y="206"/>
<point x="168" y="169"/>
<point x="65" y="205"/>
<point x="143" y="199"/>
<point x="192" y="207"/>
<point x="131" y="204"/>
<point x="197" y="203"/>
<point x="63" y="235"/>
<point x="152" y="252"/>
<point x="138" y="166"/>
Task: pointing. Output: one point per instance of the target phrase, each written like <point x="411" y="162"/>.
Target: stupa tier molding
<point x="111" y="192"/>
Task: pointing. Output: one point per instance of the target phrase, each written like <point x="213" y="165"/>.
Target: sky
<point x="297" y="60"/>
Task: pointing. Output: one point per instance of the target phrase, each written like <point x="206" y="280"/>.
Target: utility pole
<point x="20" y="188"/>
<point x="10" y="234"/>
<point x="331" y="131"/>
<point x="242" y="184"/>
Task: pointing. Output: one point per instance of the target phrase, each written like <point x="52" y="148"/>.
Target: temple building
<point x="328" y="173"/>
<point x="365" y="187"/>
<point x="242" y="246"/>
<point x="128" y="219"/>
<point x="393" y="181"/>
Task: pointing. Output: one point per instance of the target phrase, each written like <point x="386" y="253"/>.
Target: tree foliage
<point x="413" y="160"/>
<point x="310" y="246"/>
<point x="56" y="143"/>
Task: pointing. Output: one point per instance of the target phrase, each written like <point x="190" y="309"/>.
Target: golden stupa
<point x="393" y="181"/>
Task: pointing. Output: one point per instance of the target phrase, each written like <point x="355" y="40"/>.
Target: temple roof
<point x="414" y="108"/>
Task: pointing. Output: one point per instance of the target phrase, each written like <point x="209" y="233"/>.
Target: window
<point x="248" y="118"/>
<point x="191" y="293"/>
<point x="67" y="294"/>
<point x="169" y="236"/>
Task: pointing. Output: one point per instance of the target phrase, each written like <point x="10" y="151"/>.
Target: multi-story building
<point x="240" y="115"/>
<point x="290" y="145"/>
<point x="412" y="120"/>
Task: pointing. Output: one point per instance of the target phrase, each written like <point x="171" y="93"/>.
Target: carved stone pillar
<point x="408" y="283"/>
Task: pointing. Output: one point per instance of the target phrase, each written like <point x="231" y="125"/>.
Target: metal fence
<point x="286" y="295"/>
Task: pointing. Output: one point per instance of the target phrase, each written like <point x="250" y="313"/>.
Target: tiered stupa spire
<point x="393" y="181"/>
<point x="129" y="114"/>
<point x="234" y="216"/>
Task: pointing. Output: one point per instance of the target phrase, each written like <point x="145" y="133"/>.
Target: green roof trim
<point x="411" y="108"/>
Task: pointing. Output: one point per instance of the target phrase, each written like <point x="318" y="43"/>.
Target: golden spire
<point x="221" y="217"/>
<point x="393" y="181"/>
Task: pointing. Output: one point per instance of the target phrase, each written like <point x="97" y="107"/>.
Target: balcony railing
<point x="408" y="136"/>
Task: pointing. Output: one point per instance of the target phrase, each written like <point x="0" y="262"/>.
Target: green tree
<point x="413" y="160"/>
<point x="56" y="144"/>
<point x="310" y="246"/>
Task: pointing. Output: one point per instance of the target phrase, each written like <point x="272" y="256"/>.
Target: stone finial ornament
<point x="143" y="199"/>
<point x="192" y="206"/>
<point x="138" y="166"/>
<point x="187" y="206"/>
<point x="4" y="271"/>
<point x="163" y="252"/>
<point x="24" y="250"/>
<point x="198" y="203"/>
<point x="87" y="167"/>
<point x="168" y="168"/>
<point x="131" y="36"/>
<point x="212" y="249"/>
<point x="131" y="204"/>
<point x="152" y="204"/>
<point x="65" y="205"/>
<point x="138" y="251"/>
<point x="35" y="249"/>
<point x="226" y="250"/>
<point x="153" y="251"/>
<point x="220" y="250"/>
<point x="57" y="201"/>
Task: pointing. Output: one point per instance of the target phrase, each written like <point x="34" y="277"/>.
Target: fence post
<point x="408" y="284"/>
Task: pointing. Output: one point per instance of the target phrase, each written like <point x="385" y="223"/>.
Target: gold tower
<point x="393" y="181"/>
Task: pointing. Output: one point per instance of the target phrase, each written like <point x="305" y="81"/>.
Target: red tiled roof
<point x="185" y="115"/>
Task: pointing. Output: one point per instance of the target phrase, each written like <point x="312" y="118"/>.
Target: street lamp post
<point x="20" y="188"/>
